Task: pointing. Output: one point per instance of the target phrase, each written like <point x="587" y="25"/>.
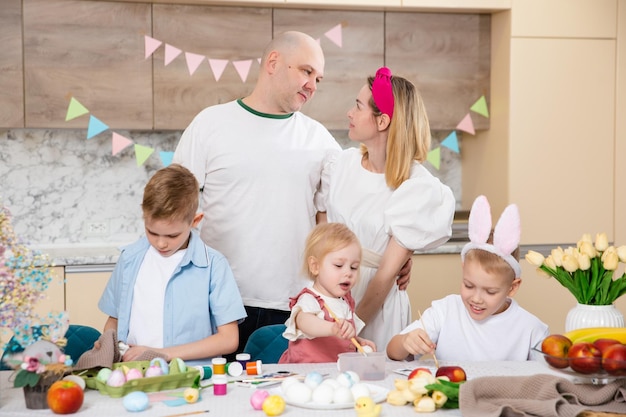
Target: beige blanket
<point x="539" y="395"/>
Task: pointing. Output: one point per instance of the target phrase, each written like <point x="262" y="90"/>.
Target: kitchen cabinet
<point x="11" y="81"/>
<point x="83" y="287"/>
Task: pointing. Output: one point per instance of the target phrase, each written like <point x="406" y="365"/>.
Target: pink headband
<point x="382" y="91"/>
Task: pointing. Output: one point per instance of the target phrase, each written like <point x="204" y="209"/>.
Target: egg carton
<point x="175" y="379"/>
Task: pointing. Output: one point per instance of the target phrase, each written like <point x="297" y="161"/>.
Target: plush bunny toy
<point x="506" y="235"/>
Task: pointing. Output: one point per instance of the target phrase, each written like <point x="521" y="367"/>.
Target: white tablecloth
<point x="237" y="400"/>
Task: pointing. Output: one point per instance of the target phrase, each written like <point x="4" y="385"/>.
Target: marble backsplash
<point x="64" y="190"/>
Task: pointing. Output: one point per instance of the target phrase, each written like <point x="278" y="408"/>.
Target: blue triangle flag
<point x="166" y="157"/>
<point x="451" y="142"/>
<point x="95" y="127"/>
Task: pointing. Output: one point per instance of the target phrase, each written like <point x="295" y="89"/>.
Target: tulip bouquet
<point x="586" y="270"/>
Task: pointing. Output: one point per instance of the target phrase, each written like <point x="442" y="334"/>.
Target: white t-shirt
<point x="146" y="312"/>
<point x="507" y="336"/>
<point x="260" y="174"/>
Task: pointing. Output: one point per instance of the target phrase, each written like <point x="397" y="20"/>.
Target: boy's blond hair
<point x="326" y="238"/>
<point x="171" y="194"/>
<point x="492" y="263"/>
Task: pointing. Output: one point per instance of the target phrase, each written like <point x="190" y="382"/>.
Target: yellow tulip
<point x="584" y="262"/>
<point x="588" y="249"/>
<point x="602" y="242"/>
<point x="534" y="258"/>
<point x="621" y="253"/>
<point x="549" y="262"/>
<point x="557" y="256"/>
<point x="570" y="264"/>
<point x="610" y="259"/>
<point x="191" y="395"/>
<point x="585" y="238"/>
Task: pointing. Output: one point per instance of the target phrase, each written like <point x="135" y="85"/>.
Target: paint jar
<point x="205" y="371"/>
<point x="243" y="359"/>
<point x="234" y="369"/>
<point x="219" y="366"/>
<point x="220" y="384"/>
<point x="253" y="368"/>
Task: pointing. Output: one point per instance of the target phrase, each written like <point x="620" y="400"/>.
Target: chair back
<point x="267" y="343"/>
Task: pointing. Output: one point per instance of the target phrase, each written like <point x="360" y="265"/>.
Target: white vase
<point x="584" y="315"/>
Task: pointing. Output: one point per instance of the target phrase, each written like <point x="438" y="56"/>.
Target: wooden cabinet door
<point x="83" y="287"/>
<point x="11" y="80"/>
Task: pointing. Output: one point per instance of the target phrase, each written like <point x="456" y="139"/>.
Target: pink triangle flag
<point x="171" y="52"/>
<point x="466" y="125"/>
<point x="243" y="68"/>
<point x="193" y="61"/>
<point x="218" y="66"/>
<point x="119" y="142"/>
<point x="334" y="35"/>
<point x="151" y="45"/>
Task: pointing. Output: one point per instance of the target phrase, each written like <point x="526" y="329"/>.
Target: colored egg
<point x="360" y="390"/>
<point x="298" y="393"/>
<point x="274" y="405"/>
<point x="177" y="366"/>
<point x="257" y="398"/>
<point x="313" y="379"/>
<point x="116" y="379"/>
<point x="323" y="394"/>
<point x="343" y="395"/>
<point x="154" y="370"/>
<point x="135" y="401"/>
<point x="354" y="376"/>
<point x="162" y="363"/>
<point x="103" y="375"/>
<point x="133" y="373"/>
<point x="345" y="379"/>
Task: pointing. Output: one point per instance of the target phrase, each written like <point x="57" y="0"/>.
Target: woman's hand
<point x="404" y="276"/>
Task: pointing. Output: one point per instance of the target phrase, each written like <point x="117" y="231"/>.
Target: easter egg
<point x="345" y="379"/>
<point x="323" y="394"/>
<point x="116" y="379"/>
<point x="313" y="379"/>
<point x="135" y="401"/>
<point x="343" y="395"/>
<point x="368" y="349"/>
<point x="332" y="382"/>
<point x="162" y="363"/>
<point x="76" y="379"/>
<point x="133" y="373"/>
<point x="287" y="382"/>
<point x="274" y="405"/>
<point x="360" y="390"/>
<point x="154" y="370"/>
<point x="257" y="398"/>
<point x="103" y="375"/>
<point x="298" y="393"/>
<point x="178" y="366"/>
<point x="354" y="376"/>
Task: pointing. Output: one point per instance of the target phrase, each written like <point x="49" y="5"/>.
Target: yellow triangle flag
<point x="142" y="153"/>
<point x="480" y="107"/>
<point x="434" y="157"/>
<point x="75" y="109"/>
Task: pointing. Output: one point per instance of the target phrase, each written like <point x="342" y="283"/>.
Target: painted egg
<point x="154" y="370"/>
<point x="274" y="405"/>
<point x="178" y="366"/>
<point x="323" y="394"/>
<point x="360" y="390"/>
<point x="103" y="375"/>
<point x="135" y="401"/>
<point x="162" y="363"/>
<point x="343" y="395"/>
<point x="298" y="393"/>
<point x="355" y="377"/>
<point x="313" y="379"/>
<point x="287" y="382"/>
<point x="116" y="379"/>
<point x="257" y="398"/>
<point x="345" y="379"/>
<point x="133" y="373"/>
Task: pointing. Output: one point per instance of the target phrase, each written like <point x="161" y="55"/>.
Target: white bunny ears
<point x="506" y="235"/>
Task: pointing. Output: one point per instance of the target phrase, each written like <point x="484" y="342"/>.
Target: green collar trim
<point x="258" y="113"/>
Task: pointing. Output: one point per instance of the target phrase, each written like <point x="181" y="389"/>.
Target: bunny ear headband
<point x="506" y="235"/>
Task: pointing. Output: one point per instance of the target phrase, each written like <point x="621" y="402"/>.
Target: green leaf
<point x="24" y="378"/>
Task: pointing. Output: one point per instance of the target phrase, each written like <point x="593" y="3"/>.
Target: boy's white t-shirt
<point x="146" y="313"/>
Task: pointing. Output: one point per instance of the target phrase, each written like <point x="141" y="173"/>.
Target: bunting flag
<point x="166" y="157"/>
<point x="218" y="66"/>
<point x="451" y="142"/>
<point x="151" y="45"/>
<point x="334" y="35"/>
<point x="119" y="143"/>
<point x="142" y="153"/>
<point x="171" y="53"/>
<point x="480" y="107"/>
<point x="434" y="157"/>
<point x="243" y="68"/>
<point x="75" y="109"/>
<point x="466" y="125"/>
<point x="193" y="61"/>
<point x="95" y="127"/>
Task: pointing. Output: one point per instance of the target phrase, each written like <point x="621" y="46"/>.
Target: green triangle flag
<point x="480" y="107"/>
<point x="75" y="109"/>
<point x="142" y="153"/>
<point x="434" y="157"/>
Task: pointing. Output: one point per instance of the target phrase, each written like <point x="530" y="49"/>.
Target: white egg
<point x="345" y="379"/>
<point x="323" y="394"/>
<point x="287" y="383"/>
<point x="360" y="390"/>
<point x="355" y="377"/>
<point x="313" y="379"/>
<point x="298" y="393"/>
<point x="367" y="349"/>
<point x="343" y="395"/>
<point x="332" y="382"/>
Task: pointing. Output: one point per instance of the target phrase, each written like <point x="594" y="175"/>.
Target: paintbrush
<point x="353" y="340"/>
<point x="190" y="413"/>
<point x="422" y="323"/>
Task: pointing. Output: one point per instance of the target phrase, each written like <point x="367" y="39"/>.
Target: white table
<point x="237" y="401"/>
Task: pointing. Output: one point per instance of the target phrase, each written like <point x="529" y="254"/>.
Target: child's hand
<point x="417" y="342"/>
<point x="344" y="329"/>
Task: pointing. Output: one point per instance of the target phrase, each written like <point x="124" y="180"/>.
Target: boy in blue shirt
<point x="170" y="294"/>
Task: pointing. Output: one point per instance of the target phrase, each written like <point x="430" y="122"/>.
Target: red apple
<point x="454" y="373"/>
<point x="585" y="358"/>
<point x="555" y="347"/>
<point x="603" y="344"/>
<point x="614" y="359"/>
<point x="65" y="397"/>
<point x="415" y="371"/>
